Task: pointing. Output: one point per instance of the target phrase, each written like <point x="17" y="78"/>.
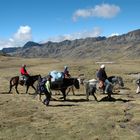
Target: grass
<point x="25" y="117"/>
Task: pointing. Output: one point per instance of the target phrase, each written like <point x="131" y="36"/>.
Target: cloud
<point x="22" y="35"/>
<point x="83" y="34"/>
<point x="101" y="11"/>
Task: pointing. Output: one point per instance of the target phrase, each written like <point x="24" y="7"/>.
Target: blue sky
<point x="57" y="20"/>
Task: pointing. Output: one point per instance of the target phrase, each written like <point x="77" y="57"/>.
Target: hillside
<point x="123" y="46"/>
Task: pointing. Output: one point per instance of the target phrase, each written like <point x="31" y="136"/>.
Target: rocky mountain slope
<point x="116" y="47"/>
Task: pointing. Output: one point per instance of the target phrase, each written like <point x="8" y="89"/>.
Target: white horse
<point x="93" y="85"/>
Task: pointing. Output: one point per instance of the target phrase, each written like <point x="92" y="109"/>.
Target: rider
<point x="48" y="90"/>
<point x="102" y="77"/>
<point x="24" y="73"/>
<point x="66" y="72"/>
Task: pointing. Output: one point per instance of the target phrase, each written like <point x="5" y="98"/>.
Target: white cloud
<point x="103" y="11"/>
<point x="22" y="35"/>
<point x="83" y="34"/>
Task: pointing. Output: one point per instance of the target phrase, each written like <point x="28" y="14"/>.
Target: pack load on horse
<point x="56" y="76"/>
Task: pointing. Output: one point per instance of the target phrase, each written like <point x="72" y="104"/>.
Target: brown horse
<point x="15" y="81"/>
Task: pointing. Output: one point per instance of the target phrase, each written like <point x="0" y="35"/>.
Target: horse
<point x="138" y="86"/>
<point x="15" y="81"/>
<point x="62" y="86"/>
<point x="93" y="85"/>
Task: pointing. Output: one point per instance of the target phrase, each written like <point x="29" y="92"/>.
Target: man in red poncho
<point x="24" y="73"/>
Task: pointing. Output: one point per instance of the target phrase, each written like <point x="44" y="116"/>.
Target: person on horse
<point x="24" y="73"/>
<point x="66" y="72"/>
<point x="103" y="81"/>
<point x="48" y="92"/>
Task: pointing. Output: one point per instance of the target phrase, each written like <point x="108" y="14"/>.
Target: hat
<point x="65" y="67"/>
<point x="23" y="65"/>
<point x="102" y="66"/>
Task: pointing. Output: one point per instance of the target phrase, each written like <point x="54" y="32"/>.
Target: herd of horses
<point x="91" y="86"/>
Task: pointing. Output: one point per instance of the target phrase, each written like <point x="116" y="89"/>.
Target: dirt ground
<point x="24" y="117"/>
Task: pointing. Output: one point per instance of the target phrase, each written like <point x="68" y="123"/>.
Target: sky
<point x="57" y="20"/>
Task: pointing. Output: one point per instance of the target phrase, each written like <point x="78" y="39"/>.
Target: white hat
<point x="102" y="66"/>
<point x="65" y="67"/>
<point x="23" y="65"/>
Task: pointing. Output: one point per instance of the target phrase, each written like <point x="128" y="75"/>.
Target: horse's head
<point x="76" y="83"/>
<point x="120" y="81"/>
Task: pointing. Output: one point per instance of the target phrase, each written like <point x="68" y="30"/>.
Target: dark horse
<point x="62" y="86"/>
<point x="15" y="81"/>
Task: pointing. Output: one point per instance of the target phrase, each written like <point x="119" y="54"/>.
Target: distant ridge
<point x="116" y="47"/>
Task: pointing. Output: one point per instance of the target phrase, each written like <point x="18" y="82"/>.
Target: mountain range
<point x="115" y="47"/>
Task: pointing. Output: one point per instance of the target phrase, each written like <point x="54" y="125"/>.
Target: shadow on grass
<point x="69" y="100"/>
<point x="5" y="93"/>
<point x="76" y="100"/>
<point x="76" y="95"/>
<point x="111" y="99"/>
<point x="62" y="105"/>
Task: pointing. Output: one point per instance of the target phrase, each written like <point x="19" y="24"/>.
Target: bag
<point x="41" y="85"/>
<point x="101" y="84"/>
<point x="56" y="76"/>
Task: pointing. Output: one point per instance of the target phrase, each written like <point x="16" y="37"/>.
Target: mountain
<point x="3" y="54"/>
<point x="123" y="46"/>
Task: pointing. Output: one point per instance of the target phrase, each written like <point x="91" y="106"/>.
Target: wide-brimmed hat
<point x="102" y="66"/>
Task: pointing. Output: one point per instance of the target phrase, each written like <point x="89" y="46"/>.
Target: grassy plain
<point x="23" y="117"/>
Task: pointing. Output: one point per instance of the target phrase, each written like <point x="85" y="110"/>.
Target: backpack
<point x="41" y="84"/>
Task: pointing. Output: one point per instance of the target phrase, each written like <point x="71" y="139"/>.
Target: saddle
<point x="21" y="80"/>
<point x="101" y="84"/>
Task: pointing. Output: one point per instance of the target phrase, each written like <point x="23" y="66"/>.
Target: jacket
<point x="102" y="76"/>
<point x="24" y="72"/>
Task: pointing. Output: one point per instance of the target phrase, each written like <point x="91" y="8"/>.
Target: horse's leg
<point x="72" y="88"/>
<point x="138" y="89"/>
<point x="16" y="88"/>
<point x="64" y="93"/>
<point x="87" y="91"/>
<point x="68" y="91"/>
<point x="109" y="91"/>
<point x="93" y="93"/>
<point x="27" y="87"/>
<point x="87" y="95"/>
<point x="10" y="88"/>
<point x="33" y="88"/>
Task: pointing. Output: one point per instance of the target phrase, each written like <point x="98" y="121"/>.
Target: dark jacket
<point x="102" y="75"/>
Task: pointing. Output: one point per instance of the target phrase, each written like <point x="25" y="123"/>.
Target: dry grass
<point x="26" y="118"/>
